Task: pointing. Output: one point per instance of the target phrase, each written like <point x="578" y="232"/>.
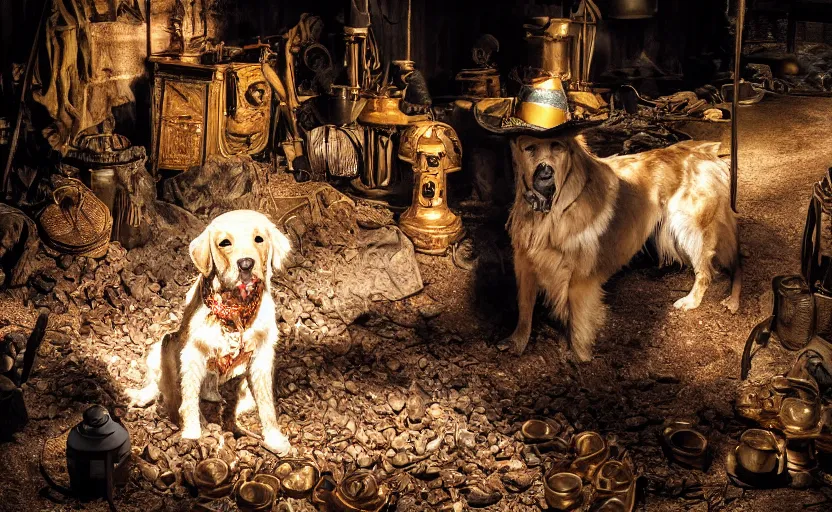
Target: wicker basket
<point x="78" y="222"/>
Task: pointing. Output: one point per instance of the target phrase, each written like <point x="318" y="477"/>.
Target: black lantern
<point x="97" y="455"/>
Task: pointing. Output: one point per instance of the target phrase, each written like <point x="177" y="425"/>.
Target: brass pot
<point x="759" y="451"/>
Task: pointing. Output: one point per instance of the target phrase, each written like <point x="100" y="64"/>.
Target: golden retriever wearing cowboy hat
<point x="229" y="327"/>
<point x="578" y="219"/>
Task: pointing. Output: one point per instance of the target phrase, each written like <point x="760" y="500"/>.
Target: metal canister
<point x="551" y="49"/>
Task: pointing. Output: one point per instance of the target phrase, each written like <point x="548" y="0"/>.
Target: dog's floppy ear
<point x="281" y="247"/>
<point x="200" y="250"/>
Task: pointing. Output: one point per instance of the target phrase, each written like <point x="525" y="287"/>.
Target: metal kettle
<point x="97" y="455"/>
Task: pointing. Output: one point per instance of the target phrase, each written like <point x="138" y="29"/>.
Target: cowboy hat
<point x="541" y="109"/>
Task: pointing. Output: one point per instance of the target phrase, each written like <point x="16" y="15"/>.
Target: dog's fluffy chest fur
<point x="218" y="342"/>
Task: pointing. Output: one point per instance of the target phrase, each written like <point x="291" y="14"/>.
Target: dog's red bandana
<point x="235" y="309"/>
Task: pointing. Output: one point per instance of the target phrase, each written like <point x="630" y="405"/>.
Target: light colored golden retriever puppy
<point x="229" y="326"/>
<point x="577" y="219"/>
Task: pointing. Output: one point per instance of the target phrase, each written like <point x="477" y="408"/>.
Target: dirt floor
<point x="652" y="362"/>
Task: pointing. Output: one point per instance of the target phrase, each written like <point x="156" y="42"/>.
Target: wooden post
<point x="735" y="102"/>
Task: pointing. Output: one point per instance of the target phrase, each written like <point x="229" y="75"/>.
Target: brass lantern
<point x="433" y="150"/>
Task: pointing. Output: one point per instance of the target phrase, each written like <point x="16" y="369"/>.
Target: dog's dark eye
<point x="258" y="239"/>
<point x="225" y="243"/>
<point x="531" y="148"/>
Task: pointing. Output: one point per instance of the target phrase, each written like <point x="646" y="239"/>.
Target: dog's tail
<point x="143" y="397"/>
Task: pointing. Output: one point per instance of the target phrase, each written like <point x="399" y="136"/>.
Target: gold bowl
<point x="686" y="445"/>
<point x="213" y="478"/>
<point x="255" y="497"/>
<point x="563" y="491"/>
<point x="300" y="481"/>
<point x="360" y="492"/>
<point x="537" y="431"/>
<point x="270" y="480"/>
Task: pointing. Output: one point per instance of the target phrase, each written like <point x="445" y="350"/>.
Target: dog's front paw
<point x="686" y="303"/>
<point x="191" y="432"/>
<point x="139" y="397"/>
<point x="514" y="344"/>
<point x="731" y="303"/>
<point x="277" y="443"/>
<point x="581" y="354"/>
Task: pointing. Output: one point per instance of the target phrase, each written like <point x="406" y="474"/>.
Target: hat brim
<point x="494" y="117"/>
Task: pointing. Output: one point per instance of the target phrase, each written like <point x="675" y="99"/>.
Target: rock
<point x="394" y="365"/>
<point x="42" y="283"/>
<point x="351" y="387"/>
<point x="152" y="453"/>
<point x="431" y="310"/>
<point x="364" y="461"/>
<point x="64" y="261"/>
<point x="396" y="402"/>
<point x="149" y="472"/>
<point x="479" y="498"/>
<point x="415" y="407"/>
<point x="400" y="441"/>
<point x="452" y="478"/>
<point x="400" y="460"/>
<point x="6" y="363"/>
<point x="518" y="481"/>
<point x="635" y="422"/>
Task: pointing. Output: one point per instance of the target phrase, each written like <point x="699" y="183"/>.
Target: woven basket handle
<point x="66" y="190"/>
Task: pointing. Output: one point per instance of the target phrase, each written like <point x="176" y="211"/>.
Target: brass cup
<point x="799" y="415"/>
<point x="360" y="492"/>
<point x="255" y="497"/>
<point x="613" y="477"/>
<point x="270" y="480"/>
<point x="213" y="478"/>
<point x="591" y="451"/>
<point x="300" y="482"/>
<point x="537" y="431"/>
<point x="686" y="445"/>
<point x="563" y="491"/>
<point x="758" y="452"/>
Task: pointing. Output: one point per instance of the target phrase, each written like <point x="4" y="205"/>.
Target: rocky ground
<point x="417" y="389"/>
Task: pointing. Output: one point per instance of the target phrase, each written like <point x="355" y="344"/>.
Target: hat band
<point x="546" y="97"/>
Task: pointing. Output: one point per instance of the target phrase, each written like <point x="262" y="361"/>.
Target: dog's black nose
<point x="245" y="264"/>
<point x="544" y="172"/>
